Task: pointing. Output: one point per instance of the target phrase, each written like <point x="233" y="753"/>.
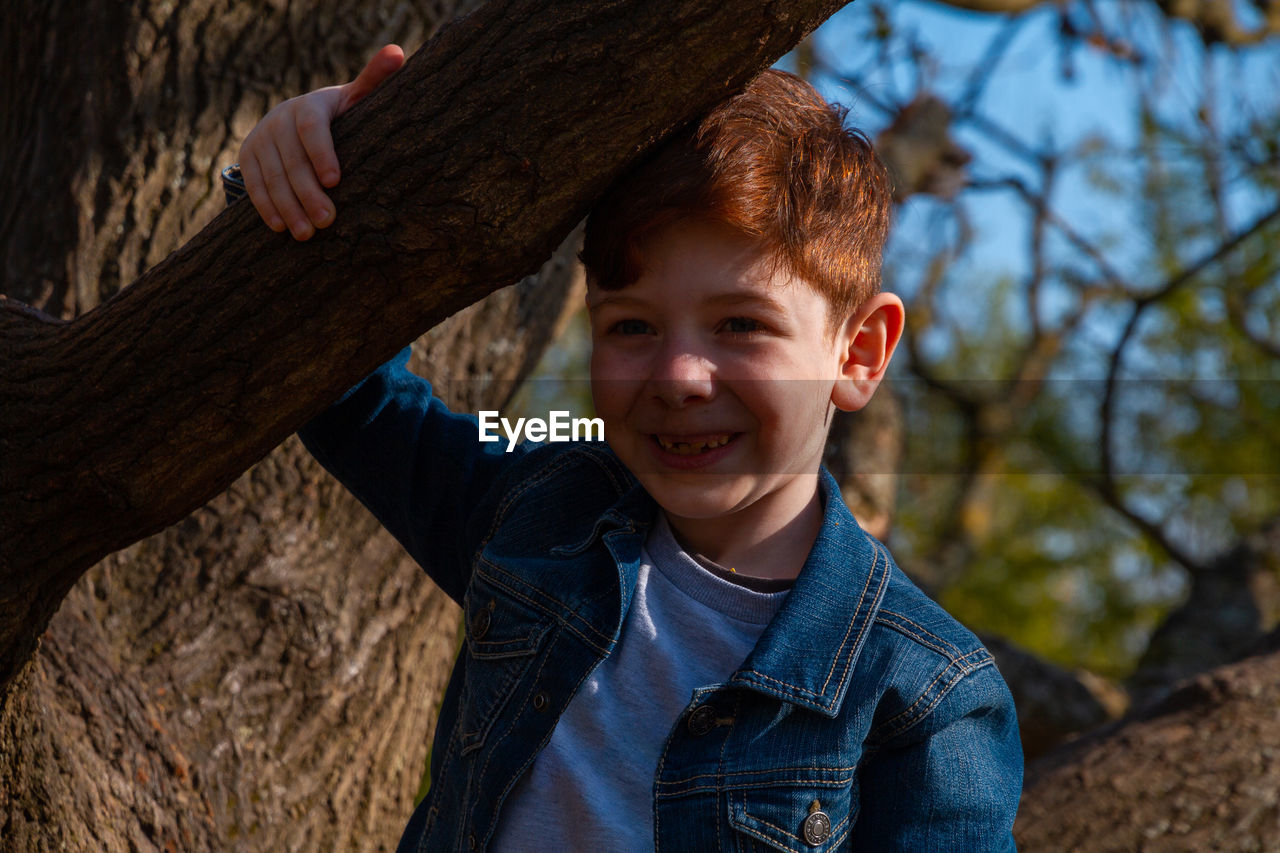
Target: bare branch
<point x="1215" y="20"/>
<point x="1108" y="487"/>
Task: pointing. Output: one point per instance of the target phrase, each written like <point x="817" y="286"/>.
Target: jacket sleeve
<point x="952" y="780"/>
<point x="419" y="468"/>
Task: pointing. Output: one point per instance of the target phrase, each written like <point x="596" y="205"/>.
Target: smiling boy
<point x="681" y="640"/>
<point x="715" y="372"/>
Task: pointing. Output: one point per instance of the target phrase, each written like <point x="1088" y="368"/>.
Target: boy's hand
<point x="289" y="155"/>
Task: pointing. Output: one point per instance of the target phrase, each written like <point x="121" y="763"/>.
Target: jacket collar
<point x="807" y="653"/>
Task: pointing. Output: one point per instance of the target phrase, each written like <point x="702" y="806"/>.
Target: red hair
<point x="775" y="162"/>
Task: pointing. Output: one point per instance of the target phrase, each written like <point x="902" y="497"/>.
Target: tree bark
<point x="263" y="674"/>
<point x="1197" y="772"/>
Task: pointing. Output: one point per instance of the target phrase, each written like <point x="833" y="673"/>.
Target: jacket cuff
<point x="233" y="183"/>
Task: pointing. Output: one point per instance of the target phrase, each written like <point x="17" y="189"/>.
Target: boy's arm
<point x="950" y="782"/>
<point x="417" y="466"/>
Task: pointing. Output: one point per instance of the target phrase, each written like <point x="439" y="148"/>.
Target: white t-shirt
<point x="591" y="787"/>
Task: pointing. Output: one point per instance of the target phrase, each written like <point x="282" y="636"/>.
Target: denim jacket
<point x="865" y="718"/>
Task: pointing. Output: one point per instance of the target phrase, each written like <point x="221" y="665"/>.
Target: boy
<point x="681" y="640"/>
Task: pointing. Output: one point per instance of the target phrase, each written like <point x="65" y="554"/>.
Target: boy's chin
<point x="704" y="496"/>
<point x="696" y="496"/>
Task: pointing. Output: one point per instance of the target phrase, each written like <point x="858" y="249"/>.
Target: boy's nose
<point x="682" y="377"/>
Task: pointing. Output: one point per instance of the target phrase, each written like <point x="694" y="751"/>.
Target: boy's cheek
<point x="612" y="398"/>
<point x="605" y="364"/>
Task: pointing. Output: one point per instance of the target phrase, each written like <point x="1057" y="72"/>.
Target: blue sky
<point x="1028" y="94"/>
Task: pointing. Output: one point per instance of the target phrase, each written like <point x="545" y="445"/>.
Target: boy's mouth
<point x="691" y="446"/>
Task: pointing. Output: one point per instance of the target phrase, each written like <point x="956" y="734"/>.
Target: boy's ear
<point x="866" y="345"/>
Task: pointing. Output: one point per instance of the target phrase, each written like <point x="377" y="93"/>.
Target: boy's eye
<point x="630" y="327"/>
<point x="742" y="325"/>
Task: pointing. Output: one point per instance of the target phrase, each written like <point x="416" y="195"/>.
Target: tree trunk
<point x="264" y="673"/>
<point x="1233" y="601"/>
<point x="1199" y="771"/>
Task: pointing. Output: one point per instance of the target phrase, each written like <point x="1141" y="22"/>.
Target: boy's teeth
<point x="688" y="448"/>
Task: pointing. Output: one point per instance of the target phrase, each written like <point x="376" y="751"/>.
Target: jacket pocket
<point x="799" y="816"/>
<point x="502" y="639"/>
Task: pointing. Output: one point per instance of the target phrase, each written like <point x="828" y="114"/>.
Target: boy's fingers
<point x="316" y="206"/>
<point x="282" y="194"/>
<point x="383" y="64"/>
<point x="302" y="177"/>
<point x="257" y="189"/>
<point x="317" y="141"/>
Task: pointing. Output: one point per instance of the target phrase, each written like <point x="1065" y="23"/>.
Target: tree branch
<point x="1108" y="486"/>
<point x="1140" y="305"/>
<point x="459" y="178"/>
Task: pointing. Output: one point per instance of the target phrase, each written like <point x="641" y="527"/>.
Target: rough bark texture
<point x="262" y="675"/>
<point x="1200" y="771"/>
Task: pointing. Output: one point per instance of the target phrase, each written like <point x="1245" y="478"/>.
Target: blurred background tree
<point x="1086" y="245"/>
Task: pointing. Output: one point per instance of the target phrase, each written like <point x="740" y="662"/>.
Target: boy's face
<point x="715" y="376"/>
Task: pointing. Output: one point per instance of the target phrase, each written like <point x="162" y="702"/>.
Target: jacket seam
<point x="875" y="565"/>
<point x="942" y="646"/>
<point x="712" y="784"/>
<point x="960" y="672"/>
<point x="821" y="698"/>
<point x="569" y="457"/>
<point x="795" y="768"/>
<point x="517" y="491"/>
<point x="841" y="828"/>
<point x="537" y="605"/>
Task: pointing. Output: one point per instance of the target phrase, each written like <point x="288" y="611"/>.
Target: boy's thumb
<point x="383" y="64"/>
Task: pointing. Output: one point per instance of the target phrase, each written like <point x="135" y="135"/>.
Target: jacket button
<point x="702" y="720"/>
<point x="817" y="828"/>
<point x="480" y="624"/>
<point x="541" y="701"/>
<point x="480" y="620"/>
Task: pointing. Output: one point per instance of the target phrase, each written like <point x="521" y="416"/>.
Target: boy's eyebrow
<point x="728" y="298"/>
<point x="611" y="299"/>
<point x="764" y="300"/>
